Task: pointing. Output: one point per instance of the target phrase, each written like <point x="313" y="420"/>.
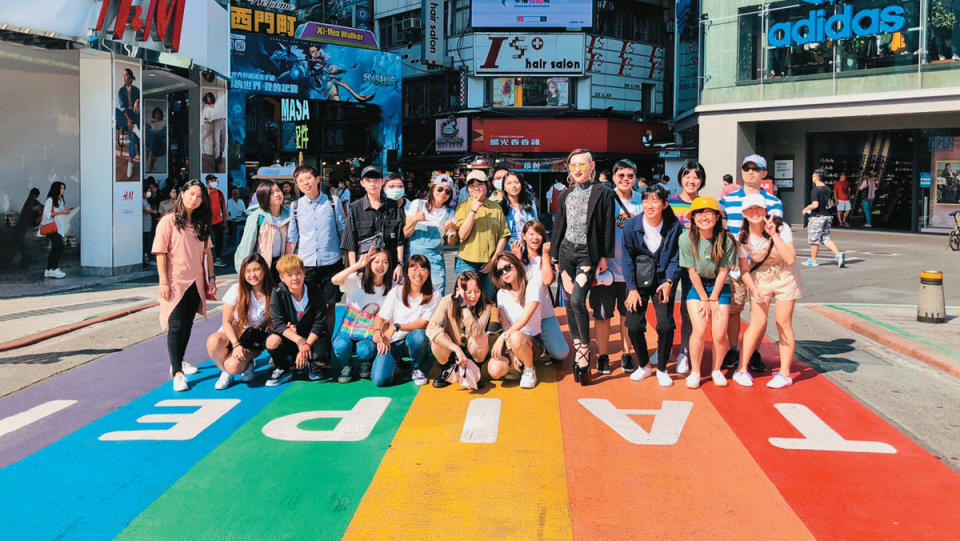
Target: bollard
<point x="932" y="307"/>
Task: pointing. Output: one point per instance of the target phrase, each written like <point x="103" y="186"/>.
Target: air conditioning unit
<point x="411" y="25"/>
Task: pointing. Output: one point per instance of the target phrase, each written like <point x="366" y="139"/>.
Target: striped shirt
<point x="681" y="208"/>
<point x="731" y="205"/>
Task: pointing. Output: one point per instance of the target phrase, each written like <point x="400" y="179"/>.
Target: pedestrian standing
<point x="29" y="217"/>
<point x="50" y="228"/>
<point x="820" y="216"/>
<point x="482" y="230"/>
<point x="236" y="216"/>
<point x="149" y="215"/>
<point x="393" y="189"/>
<point x="166" y="205"/>
<point x="553" y="201"/>
<point x="375" y="222"/>
<point x="365" y="285"/>
<point x="584" y="238"/>
<point x="430" y="224"/>
<point x="869" y="188"/>
<point x="184" y="251"/>
<point x="518" y="205"/>
<point x="266" y="229"/>
<point x="218" y="217"/>
<point x="498" y="177"/>
<point x="841" y="191"/>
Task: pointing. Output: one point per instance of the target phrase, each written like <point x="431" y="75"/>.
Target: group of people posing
<point x="616" y="250"/>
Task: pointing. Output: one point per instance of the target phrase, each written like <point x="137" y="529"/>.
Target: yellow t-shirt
<point x="489" y="226"/>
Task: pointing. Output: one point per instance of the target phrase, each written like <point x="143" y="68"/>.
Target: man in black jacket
<point x="299" y="317"/>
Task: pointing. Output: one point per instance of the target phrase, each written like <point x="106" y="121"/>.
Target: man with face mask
<point x="218" y="210"/>
<point x="393" y="189"/>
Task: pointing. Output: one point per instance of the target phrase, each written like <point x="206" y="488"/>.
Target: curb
<point x="64" y="329"/>
<point x="892" y="340"/>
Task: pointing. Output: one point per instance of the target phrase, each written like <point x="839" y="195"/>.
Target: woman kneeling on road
<point x="399" y="328"/>
<point x="458" y="328"/>
<point x="519" y="304"/>
<point x="243" y="335"/>
<point x="365" y="285"/>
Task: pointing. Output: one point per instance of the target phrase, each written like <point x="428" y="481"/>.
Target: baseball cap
<point x="371" y="171"/>
<point x="476" y="174"/>
<point x="705" y="202"/>
<point x="442" y="179"/>
<point x="757" y="160"/>
<point x="753" y="200"/>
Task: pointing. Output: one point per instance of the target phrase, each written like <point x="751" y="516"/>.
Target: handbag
<point x="358" y="322"/>
<point x="50" y="228"/>
<point x="253" y="338"/>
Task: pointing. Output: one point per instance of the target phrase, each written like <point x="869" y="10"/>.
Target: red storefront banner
<point x="565" y="134"/>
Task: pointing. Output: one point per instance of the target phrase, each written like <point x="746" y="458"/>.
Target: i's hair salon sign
<point x="829" y="22"/>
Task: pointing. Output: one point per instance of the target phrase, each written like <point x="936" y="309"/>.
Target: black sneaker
<point x="756" y="363"/>
<point x="316" y="372"/>
<point x="346" y="374"/>
<point x="441" y="382"/>
<point x="731" y="359"/>
<point x="626" y="362"/>
<point x="603" y="364"/>
<point x="364" y="372"/>
<point x="278" y="376"/>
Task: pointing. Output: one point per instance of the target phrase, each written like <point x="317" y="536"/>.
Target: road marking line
<point x="32" y="415"/>
<point x="482" y="422"/>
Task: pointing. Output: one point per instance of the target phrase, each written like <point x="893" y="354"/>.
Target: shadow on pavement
<point x="826" y="356"/>
<point x="54" y="356"/>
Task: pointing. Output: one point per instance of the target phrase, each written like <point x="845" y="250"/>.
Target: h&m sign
<point x="164" y="16"/>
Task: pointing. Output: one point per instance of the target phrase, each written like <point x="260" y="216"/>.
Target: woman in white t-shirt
<point x="399" y="330"/>
<point x="519" y="302"/>
<point x="365" y="285"/>
<point x="245" y="306"/>
<point x="430" y="225"/>
<point x="534" y="254"/>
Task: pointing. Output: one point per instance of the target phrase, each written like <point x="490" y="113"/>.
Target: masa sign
<point x="528" y="54"/>
<point x="818" y="26"/>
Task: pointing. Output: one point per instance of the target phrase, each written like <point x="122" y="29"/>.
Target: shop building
<point x="521" y="86"/>
<point x="101" y="96"/>
<point x="854" y="87"/>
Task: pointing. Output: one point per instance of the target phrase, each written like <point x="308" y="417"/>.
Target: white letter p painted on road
<point x="355" y="424"/>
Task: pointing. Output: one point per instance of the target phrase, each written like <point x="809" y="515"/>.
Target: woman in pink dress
<point x="182" y="246"/>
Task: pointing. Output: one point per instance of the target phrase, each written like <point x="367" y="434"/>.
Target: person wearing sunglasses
<point x="482" y="229"/>
<point x="584" y="238"/>
<point x="753" y="170"/>
<point x="429" y="224"/>
<point x="518" y="300"/>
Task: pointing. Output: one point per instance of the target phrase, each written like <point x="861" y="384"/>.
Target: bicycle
<point x="955" y="234"/>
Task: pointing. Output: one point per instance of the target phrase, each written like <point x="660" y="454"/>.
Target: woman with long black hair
<point x="52" y="208"/>
<point x="518" y="206"/>
<point x="185" y="264"/>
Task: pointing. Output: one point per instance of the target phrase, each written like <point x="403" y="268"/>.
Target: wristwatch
<point x="396" y="327"/>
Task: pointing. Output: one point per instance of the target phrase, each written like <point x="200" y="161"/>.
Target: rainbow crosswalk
<point x="614" y="460"/>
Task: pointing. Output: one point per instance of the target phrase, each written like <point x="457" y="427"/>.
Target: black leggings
<point x="179" y="326"/>
<point x="572" y="258"/>
<point x="636" y="324"/>
<point x="56" y="250"/>
<point x="217" y="230"/>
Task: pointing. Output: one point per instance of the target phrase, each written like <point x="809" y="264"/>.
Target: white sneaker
<point x="718" y="378"/>
<point x="683" y="363"/>
<point x="529" y="378"/>
<point x="130" y="168"/>
<point x="693" y="380"/>
<point x="779" y="381"/>
<point x="664" y="379"/>
<point x="46" y="273"/>
<point x="188" y="368"/>
<point x="248" y="374"/>
<point x="642" y="374"/>
<point x="743" y="378"/>
<point x="180" y="382"/>
<point x="224" y="381"/>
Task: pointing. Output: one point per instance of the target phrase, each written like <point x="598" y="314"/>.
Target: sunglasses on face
<point x="578" y="166"/>
<point x="746" y="168"/>
<point x="504" y="269"/>
<point x="447" y="191"/>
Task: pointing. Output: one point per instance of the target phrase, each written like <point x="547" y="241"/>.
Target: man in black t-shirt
<point x="820" y="217"/>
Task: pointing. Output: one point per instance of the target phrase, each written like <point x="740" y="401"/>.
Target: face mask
<point x="394" y="193"/>
<point x="498" y="183"/>
<point x="213" y="185"/>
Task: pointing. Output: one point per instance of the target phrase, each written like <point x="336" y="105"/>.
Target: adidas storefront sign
<point x="817" y="27"/>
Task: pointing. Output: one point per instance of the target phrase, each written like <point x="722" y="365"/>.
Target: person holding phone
<point x="651" y="266"/>
<point x="52" y="208"/>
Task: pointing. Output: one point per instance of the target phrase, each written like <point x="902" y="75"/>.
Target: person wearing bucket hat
<point x="707" y="252"/>
<point x="482" y="230"/>
<point x="767" y="263"/>
<point x="752" y="171"/>
<point x="651" y="266"/>
<point x="430" y="225"/>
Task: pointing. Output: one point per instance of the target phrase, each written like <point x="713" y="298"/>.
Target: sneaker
<point x="743" y="378"/>
<point x="55" y="273"/>
<point x="316" y="372"/>
<point x="46" y="273"/>
<point x="643" y="373"/>
<point x="810" y="263"/>
<point x="224" y="381"/>
<point x="180" y="382"/>
<point x="779" y="381"/>
<point x="248" y="374"/>
<point x="663" y="378"/>
<point x="364" y="372"/>
<point x="219" y="263"/>
<point x="718" y="378"/>
<point x="756" y="363"/>
<point x="419" y="378"/>
<point x="603" y="364"/>
<point x="867" y="225"/>
<point x="441" y="382"/>
<point x="130" y="168"/>
<point x="529" y="378"/>
<point x="683" y="363"/>
<point x="842" y="260"/>
<point x="512" y="375"/>
<point x="346" y="374"/>
<point x="188" y="368"/>
<point x="278" y="376"/>
<point x="693" y="380"/>
<point x="626" y="363"/>
<point x="731" y="359"/>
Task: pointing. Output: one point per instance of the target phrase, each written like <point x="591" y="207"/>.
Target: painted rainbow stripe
<point x="614" y="460"/>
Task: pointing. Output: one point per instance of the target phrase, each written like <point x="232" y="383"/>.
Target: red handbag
<point x="49" y="228"/>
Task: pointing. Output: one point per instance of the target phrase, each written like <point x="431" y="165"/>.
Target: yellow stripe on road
<point x="431" y="485"/>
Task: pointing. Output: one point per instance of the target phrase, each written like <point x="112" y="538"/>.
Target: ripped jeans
<point x="574" y="261"/>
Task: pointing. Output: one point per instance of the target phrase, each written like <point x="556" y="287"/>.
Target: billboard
<point x="531" y="13"/>
<point x="512" y="53"/>
<point x="127" y="109"/>
<point x="213" y="124"/>
<point x="155" y="137"/>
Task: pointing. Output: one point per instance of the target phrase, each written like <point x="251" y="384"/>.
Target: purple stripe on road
<point x="99" y="387"/>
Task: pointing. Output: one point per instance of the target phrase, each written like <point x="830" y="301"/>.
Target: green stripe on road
<point x="897" y="330"/>
<point x="256" y="487"/>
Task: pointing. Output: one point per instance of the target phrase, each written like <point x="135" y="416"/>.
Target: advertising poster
<point x="525" y="54"/>
<point x="451" y="134"/>
<point x="558" y="92"/>
<point x="503" y="92"/>
<point x="948" y="183"/>
<point x="155" y="137"/>
<point x="213" y="124"/>
<point x="532" y="14"/>
<point x="127" y="113"/>
<point x="278" y="66"/>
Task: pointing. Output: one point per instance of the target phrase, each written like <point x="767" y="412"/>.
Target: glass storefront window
<point x="530" y="91"/>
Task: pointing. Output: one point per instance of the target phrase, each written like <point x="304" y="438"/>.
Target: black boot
<point x="626" y="362"/>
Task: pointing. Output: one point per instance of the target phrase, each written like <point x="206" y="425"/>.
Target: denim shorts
<point x="708" y="285"/>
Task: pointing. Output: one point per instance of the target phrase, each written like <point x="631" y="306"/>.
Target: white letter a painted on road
<point x="355" y="424"/>
<point x="818" y="436"/>
<point x="667" y="426"/>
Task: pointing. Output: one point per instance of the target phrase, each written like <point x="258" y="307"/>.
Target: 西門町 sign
<point x="819" y="25"/>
